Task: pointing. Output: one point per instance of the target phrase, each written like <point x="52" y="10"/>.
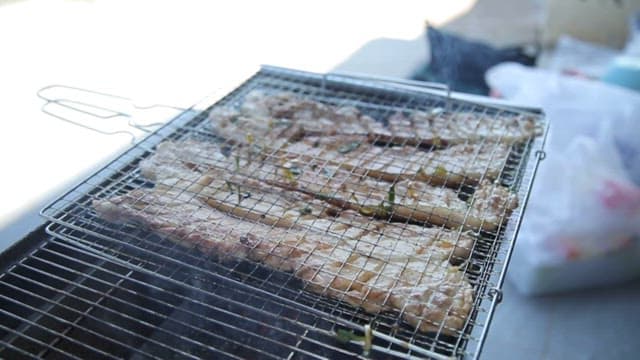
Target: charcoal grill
<point x="92" y="289"/>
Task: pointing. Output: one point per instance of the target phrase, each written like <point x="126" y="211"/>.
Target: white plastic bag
<point x="581" y="221"/>
<point x="586" y="206"/>
<point x="574" y="107"/>
<point x="581" y="225"/>
<point x="574" y="55"/>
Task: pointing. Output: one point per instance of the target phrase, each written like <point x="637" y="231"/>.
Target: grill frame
<point x="110" y="276"/>
<point x="489" y="294"/>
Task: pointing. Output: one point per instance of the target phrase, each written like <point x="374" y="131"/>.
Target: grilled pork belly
<point x="178" y="215"/>
<point x="286" y="115"/>
<point x="453" y="166"/>
<point x="257" y="199"/>
<point x="283" y="118"/>
<point x="364" y="269"/>
<point x="441" y="128"/>
<point x="315" y="117"/>
<point x="305" y="187"/>
<point x="413" y="200"/>
<point x="380" y="239"/>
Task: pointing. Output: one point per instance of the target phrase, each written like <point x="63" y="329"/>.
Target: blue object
<point x="624" y="71"/>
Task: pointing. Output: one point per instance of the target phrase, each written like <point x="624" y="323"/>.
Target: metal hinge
<point x="496" y="294"/>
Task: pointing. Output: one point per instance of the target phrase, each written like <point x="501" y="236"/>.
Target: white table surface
<point x="155" y="52"/>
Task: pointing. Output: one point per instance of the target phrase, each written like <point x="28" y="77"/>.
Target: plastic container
<point x="603" y="270"/>
<point x="624" y="71"/>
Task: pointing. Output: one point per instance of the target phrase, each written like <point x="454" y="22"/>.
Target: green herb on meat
<point x="345" y="336"/>
<point x="347" y="148"/>
<point x="322" y="196"/>
<point x="391" y="194"/>
<point x="305" y="211"/>
<point x="295" y="170"/>
<point x="250" y="139"/>
<point x="354" y="198"/>
<point x="288" y="175"/>
<point x="367" y="211"/>
<point x="440" y="171"/>
<point x="385" y="208"/>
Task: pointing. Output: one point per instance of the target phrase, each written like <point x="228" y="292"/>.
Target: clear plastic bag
<point x="575" y="106"/>
<point x="582" y="222"/>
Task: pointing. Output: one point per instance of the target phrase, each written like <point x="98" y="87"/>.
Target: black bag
<point x="461" y="63"/>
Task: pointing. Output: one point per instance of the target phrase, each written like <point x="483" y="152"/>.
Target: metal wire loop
<point x="496" y="294"/>
<point x="422" y="86"/>
<point x="97" y="105"/>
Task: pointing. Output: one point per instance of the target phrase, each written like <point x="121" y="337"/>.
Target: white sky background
<point x="172" y="52"/>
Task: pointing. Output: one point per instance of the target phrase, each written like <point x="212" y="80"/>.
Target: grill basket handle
<point x="84" y="107"/>
<point x="407" y="84"/>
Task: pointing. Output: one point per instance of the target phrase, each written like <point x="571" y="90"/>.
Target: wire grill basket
<point x="319" y="315"/>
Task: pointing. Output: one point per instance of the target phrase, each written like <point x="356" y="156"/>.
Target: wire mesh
<point x="67" y="301"/>
<point x="195" y="202"/>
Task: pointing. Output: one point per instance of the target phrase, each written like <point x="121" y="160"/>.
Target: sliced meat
<point x="493" y="203"/>
<point x="268" y="114"/>
<point x="248" y="198"/>
<point x="443" y="207"/>
<point x="180" y="217"/>
<point x="409" y="285"/>
<point x="442" y="243"/>
<point x="301" y="186"/>
<point x="315" y="117"/>
<point x="448" y="290"/>
<point x="184" y="160"/>
<point x="414" y="200"/>
<point x="282" y="118"/>
<point x="239" y="128"/>
<point x="452" y="166"/>
<point x="376" y="238"/>
<point x="440" y="128"/>
<point x="329" y="265"/>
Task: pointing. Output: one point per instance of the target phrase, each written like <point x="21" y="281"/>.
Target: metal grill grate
<point x="300" y="323"/>
<point x="68" y="302"/>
